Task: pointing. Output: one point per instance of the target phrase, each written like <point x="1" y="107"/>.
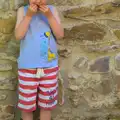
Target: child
<point x="37" y="27"/>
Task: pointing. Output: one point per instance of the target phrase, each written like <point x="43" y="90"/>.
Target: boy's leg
<point x="48" y="92"/>
<point x="27" y="93"/>
<point x="27" y="115"/>
<point x="45" y="114"/>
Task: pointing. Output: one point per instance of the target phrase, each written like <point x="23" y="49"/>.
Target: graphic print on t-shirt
<point x="46" y="53"/>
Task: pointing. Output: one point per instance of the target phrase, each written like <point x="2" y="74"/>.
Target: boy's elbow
<point x="61" y="35"/>
<point x="18" y="37"/>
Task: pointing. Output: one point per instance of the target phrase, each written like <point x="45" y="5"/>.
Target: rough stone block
<point x="106" y="85"/>
<point x="5" y="65"/>
<point x="7" y="81"/>
<point x="4" y="38"/>
<point x="117" y="61"/>
<point x="7" y="22"/>
<point x="90" y="32"/>
<point x="3" y="97"/>
<point x="4" y="4"/>
<point x="9" y="109"/>
<point x="116" y="76"/>
<point x="100" y="65"/>
<point x="5" y="56"/>
<point x="81" y="64"/>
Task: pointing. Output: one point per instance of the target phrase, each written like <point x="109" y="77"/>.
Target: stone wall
<point x="8" y="50"/>
<point x="89" y="59"/>
<point x="90" y="54"/>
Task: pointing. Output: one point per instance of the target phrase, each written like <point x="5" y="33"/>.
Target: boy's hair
<point x="26" y="2"/>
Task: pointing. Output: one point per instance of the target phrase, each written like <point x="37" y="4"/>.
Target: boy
<point x="37" y="27"/>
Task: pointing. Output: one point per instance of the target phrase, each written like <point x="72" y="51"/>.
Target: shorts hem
<point x="29" y="110"/>
<point x="45" y="108"/>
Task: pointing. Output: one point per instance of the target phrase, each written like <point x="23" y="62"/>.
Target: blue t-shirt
<point x="38" y="49"/>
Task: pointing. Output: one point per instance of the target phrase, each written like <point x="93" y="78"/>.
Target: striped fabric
<point x="31" y="88"/>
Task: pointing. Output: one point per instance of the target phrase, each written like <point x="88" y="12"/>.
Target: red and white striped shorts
<point x="44" y="90"/>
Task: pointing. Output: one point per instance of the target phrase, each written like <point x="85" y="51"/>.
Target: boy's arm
<point x="55" y="24"/>
<point x="54" y="21"/>
<point x="23" y="22"/>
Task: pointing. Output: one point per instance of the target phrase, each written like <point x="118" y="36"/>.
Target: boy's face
<point x="38" y="2"/>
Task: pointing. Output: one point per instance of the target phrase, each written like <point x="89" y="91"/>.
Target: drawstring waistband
<point x="40" y="73"/>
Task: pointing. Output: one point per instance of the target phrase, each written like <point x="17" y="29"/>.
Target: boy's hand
<point x="32" y="10"/>
<point x="45" y="10"/>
